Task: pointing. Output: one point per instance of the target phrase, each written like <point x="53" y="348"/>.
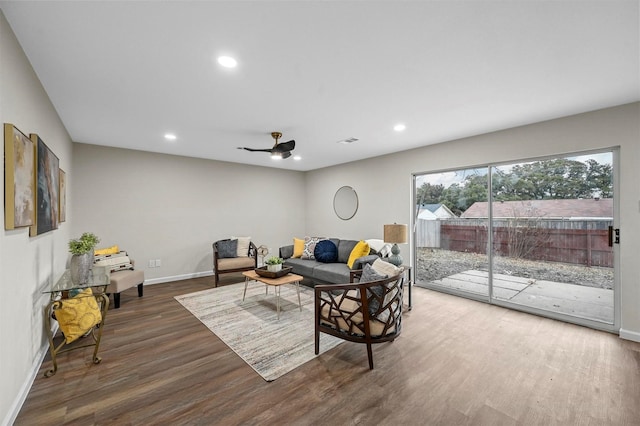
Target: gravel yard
<point x="435" y="264"/>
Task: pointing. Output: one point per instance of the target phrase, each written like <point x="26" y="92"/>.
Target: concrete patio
<point x="587" y="302"/>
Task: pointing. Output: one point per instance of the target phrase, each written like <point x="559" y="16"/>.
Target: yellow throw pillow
<point x="108" y="250"/>
<point x="298" y="247"/>
<point x="78" y="315"/>
<point x="361" y="249"/>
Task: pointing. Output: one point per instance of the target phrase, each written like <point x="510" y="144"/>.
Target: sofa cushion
<point x="331" y="272"/>
<point x="326" y="251"/>
<point x="235" y="263"/>
<point x="301" y="266"/>
<point x="345" y="247"/>
<point x="227" y="249"/>
<point x="361" y="249"/>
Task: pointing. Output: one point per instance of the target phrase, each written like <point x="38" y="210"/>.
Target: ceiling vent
<point x="348" y="140"/>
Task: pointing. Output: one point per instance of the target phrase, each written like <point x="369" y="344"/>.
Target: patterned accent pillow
<point x="227" y="249"/>
<point x="310" y="247"/>
<point x="326" y="251"/>
<point x="78" y="315"/>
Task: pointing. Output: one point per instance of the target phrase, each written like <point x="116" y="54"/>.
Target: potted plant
<point x="274" y="264"/>
<point x="82" y="257"/>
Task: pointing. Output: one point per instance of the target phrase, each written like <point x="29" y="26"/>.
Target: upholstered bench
<point x="122" y="280"/>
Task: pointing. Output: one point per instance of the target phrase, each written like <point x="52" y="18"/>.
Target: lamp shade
<point x="395" y="233"/>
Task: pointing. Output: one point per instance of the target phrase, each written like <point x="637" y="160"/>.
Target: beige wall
<point x="384" y="183"/>
<point x="27" y="265"/>
<point x="158" y="206"/>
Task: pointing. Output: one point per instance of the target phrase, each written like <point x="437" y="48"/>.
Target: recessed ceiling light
<point x="399" y="127"/>
<point x="297" y="157"/>
<point x="170" y="137"/>
<point x="227" y="61"/>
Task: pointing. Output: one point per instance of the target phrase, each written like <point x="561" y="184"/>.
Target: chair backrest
<point x="366" y="312"/>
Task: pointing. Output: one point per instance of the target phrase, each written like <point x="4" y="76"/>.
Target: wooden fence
<point x="583" y="242"/>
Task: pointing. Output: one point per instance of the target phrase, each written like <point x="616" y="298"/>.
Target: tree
<point x="429" y="194"/>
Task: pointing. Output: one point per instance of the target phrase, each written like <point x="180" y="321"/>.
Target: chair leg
<point x="370" y="354"/>
<point x="116" y="300"/>
<point x="140" y="290"/>
<point x="317" y="341"/>
<point x="216" y="279"/>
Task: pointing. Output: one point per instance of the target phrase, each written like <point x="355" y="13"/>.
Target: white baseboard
<point x="161" y="280"/>
<point x="21" y="397"/>
<point x="629" y="335"/>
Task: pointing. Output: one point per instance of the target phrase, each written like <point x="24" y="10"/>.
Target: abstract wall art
<point x="47" y="166"/>
<point x="19" y="175"/>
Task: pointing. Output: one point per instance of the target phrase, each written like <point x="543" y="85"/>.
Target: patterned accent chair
<point x="362" y="312"/>
<point x="224" y="265"/>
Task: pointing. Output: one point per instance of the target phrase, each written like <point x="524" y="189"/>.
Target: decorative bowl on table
<point x="268" y="274"/>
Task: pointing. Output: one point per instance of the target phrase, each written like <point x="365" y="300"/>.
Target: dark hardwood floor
<point x="457" y="362"/>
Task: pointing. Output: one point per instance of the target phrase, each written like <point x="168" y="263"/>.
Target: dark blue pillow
<point x="326" y="251"/>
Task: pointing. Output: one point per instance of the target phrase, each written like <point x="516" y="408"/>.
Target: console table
<point x="59" y="292"/>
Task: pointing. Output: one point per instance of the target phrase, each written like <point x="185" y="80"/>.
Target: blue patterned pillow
<point x="326" y="251"/>
<point x="227" y="249"/>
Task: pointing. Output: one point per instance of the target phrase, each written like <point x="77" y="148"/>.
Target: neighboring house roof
<point x="439" y="210"/>
<point x="582" y="208"/>
<point x="426" y="214"/>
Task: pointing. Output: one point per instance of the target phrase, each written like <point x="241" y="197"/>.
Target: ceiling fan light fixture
<point x="276" y="156"/>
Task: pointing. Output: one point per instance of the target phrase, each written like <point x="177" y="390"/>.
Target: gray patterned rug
<point x="270" y="346"/>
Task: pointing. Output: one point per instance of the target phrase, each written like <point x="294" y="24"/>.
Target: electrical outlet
<point x="158" y="263"/>
<point x="152" y="263"/>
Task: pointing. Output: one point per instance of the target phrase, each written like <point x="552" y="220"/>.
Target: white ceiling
<point x="125" y="73"/>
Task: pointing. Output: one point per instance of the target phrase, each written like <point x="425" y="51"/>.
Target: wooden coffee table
<point x="276" y="282"/>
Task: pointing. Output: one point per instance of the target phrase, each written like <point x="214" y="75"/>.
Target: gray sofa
<point x="316" y="272"/>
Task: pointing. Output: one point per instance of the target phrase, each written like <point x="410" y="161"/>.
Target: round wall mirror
<point x="345" y="203"/>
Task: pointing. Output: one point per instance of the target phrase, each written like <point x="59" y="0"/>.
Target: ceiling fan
<point x="279" y="150"/>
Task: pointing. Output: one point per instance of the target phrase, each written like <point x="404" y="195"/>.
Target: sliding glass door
<point x="451" y="252"/>
<point x="550" y="235"/>
<point x="534" y="235"/>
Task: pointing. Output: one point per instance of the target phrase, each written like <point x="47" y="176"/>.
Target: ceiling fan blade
<point x="253" y="149"/>
<point x="286" y="154"/>
<point x="285" y="146"/>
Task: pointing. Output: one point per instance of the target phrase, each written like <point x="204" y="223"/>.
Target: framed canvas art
<point x="62" y="196"/>
<point x="19" y="175"/>
<point x="47" y="187"/>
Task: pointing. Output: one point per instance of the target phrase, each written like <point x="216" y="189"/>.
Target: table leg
<point x="278" y="300"/>
<point x="246" y="283"/>
<point x="52" y="349"/>
<point x="410" y="285"/>
<point x="298" y="289"/>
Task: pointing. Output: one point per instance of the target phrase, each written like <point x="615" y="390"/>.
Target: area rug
<point x="251" y="329"/>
